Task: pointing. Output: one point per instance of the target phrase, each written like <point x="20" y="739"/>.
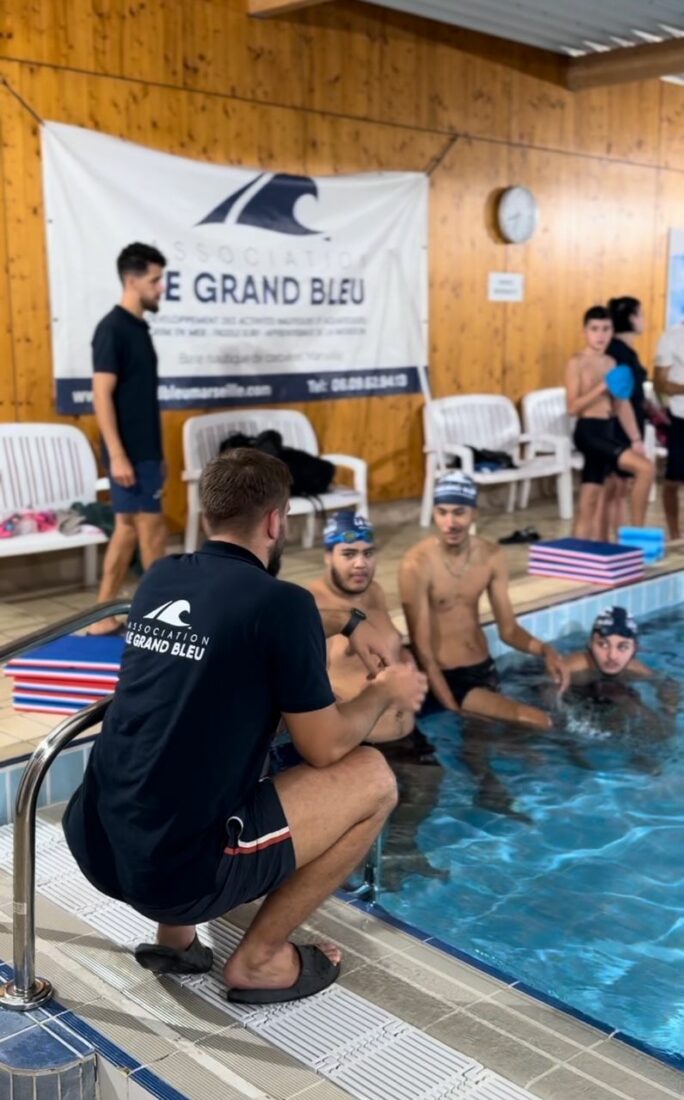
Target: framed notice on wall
<point x="675" y="279"/>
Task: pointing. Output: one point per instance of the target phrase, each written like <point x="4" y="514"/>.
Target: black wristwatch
<point x="355" y="618"/>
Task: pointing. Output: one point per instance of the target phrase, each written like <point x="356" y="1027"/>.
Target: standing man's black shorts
<point x="674" y="470"/>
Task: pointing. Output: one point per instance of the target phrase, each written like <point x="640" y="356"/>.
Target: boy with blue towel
<point x="598" y="392"/>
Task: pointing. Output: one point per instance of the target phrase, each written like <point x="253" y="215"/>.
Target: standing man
<point x="173" y="816"/>
<point x="127" y="412"/>
<point x="669" y="384"/>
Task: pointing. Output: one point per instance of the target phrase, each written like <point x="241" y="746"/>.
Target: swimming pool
<point x="583" y="902"/>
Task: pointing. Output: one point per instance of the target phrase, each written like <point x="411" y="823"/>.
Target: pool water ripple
<point x="586" y="901"/>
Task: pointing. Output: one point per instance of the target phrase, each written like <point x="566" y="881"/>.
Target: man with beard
<point x="349" y="585"/>
<point x="174" y="816"/>
<point x="127" y="412"/>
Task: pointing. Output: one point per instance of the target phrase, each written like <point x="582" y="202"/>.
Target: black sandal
<point x="316" y="974"/>
<point x="195" y="959"/>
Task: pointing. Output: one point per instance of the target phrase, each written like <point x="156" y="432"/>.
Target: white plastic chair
<point x="545" y="413"/>
<point x="202" y="438"/>
<point x="454" y="425"/>
<point x="48" y="466"/>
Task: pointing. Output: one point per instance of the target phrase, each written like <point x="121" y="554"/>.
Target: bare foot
<point x="105" y="626"/>
<point x="279" y="971"/>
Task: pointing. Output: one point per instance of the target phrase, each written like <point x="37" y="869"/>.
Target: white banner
<point x="278" y="287"/>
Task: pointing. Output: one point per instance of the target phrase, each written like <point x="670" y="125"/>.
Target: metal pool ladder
<point x="27" y="992"/>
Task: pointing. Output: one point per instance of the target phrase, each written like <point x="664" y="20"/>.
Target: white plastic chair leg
<point x="510" y="498"/>
<point x="525" y="493"/>
<point x="90" y="566"/>
<point x="564" y="491"/>
<point x="309" y="532"/>
<point x="428" y="491"/>
<point x="192" y="519"/>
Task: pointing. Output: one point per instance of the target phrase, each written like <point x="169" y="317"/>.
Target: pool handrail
<point x="26" y="991"/>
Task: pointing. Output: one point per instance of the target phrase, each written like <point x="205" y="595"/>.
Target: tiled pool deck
<point x="202" y="1054"/>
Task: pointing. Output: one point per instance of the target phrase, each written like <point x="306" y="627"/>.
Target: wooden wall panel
<point x="347" y="87"/>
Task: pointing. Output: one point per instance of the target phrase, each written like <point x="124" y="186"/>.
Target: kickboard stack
<point x="65" y="676"/>
<point x="582" y="560"/>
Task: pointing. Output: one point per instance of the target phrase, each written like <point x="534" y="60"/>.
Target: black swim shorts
<point x="463" y="680"/>
<point x="599" y="442"/>
<point x="674" y="471"/>
<point x="258" y="857"/>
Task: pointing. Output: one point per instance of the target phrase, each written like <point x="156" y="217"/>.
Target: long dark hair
<point x="621" y="312"/>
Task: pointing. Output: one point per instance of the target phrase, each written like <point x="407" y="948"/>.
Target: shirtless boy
<point x="441" y="581"/>
<point x="348" y="584"/>
<point x="604" y="450"/>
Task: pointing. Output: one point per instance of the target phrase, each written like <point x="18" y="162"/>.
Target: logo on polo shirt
<point x="170" y="612"/>
<point x="169" y="632"/>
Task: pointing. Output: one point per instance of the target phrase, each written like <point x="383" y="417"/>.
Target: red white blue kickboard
<point x="582" y="560"/>
<point x="66" y="675"/>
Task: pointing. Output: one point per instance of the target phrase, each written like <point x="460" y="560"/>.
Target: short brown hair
<point x="240" y="486"/>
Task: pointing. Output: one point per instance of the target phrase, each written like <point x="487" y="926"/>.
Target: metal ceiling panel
<point x="565" y="26"/>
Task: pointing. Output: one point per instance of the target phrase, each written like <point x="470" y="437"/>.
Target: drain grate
<point x="370" y="1053"/>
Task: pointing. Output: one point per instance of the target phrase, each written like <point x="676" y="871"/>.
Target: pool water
<point x="581" y="897"/>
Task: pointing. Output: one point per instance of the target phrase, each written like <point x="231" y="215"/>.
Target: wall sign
<point x="505" y="287"/>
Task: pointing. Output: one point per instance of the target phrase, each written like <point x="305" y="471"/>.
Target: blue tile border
<point x="154" y="1085"/>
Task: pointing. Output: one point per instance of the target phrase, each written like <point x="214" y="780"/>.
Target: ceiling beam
<point x="626" y="64"/>
<point x="264" y="8"/>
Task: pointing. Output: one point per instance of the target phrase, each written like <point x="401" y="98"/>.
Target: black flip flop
<point x="316" y="974"/>
<point x="528" y="534"/>
<point x="196" y="959"/>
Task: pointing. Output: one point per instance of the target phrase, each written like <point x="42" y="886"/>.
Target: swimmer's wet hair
<point x="239" y="487"/>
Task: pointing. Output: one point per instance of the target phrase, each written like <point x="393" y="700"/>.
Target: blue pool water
<point x="585" y="901"/>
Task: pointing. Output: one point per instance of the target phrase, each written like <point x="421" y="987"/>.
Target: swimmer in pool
<point x="441" y="580"/>
<point x="603" y="674"/>
<point x="348" y="584"/>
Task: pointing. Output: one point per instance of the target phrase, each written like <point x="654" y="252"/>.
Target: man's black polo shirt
<point x="122" y="345"/>
<point x="216" y="650"/>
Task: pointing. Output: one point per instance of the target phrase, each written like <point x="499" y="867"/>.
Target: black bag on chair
<point x="311" y="475"/>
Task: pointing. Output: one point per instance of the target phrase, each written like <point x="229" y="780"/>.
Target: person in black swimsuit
<point x="629" y="322"/>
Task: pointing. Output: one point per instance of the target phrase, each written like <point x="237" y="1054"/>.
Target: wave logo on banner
<point x="278" y="287"/>
<point x="267" y="204"/>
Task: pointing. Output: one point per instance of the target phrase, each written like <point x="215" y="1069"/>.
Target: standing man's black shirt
<point x="122" y="345"/>
<point x="216" y="650"/>
<point x="622" y="353"/>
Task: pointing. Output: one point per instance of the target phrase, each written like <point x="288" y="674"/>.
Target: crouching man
<point x="172" y="816"/>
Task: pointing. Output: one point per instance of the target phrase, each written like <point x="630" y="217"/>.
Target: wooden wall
<point x="348" y="87"/>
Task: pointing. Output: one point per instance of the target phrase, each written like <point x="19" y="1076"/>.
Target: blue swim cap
<point x="615" y="620"/>
<point x="347" y="527"/>
<point x="620" y="382"/>
<point x="456" y="488"/>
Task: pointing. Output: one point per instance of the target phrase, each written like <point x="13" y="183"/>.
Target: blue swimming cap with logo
<point x="456" y="488"/>
<point x="615" y="620"/>
<point x="347" y="527"/>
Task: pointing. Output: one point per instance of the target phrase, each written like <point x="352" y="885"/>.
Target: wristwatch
<point x="355" y="618"/>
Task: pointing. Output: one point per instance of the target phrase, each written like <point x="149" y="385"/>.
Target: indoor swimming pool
<point x="578" y="891"/>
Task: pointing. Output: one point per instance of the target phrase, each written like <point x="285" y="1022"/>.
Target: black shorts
<point x="463" y="680"/>
<point x="674" y="469"/>
<point x="599" y="442"/>
<point x="258" y="857"/>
